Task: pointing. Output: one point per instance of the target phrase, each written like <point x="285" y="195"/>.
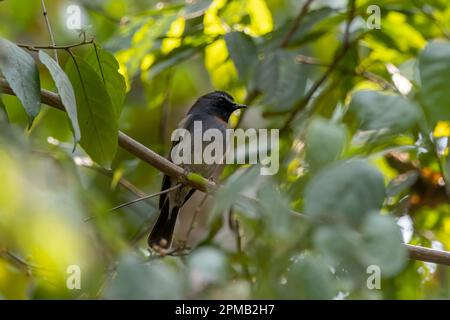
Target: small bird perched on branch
<point x="213" y="110"/>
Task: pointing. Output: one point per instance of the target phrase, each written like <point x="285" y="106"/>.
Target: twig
<point x="147" y="197"/>
<point x="125" y="183"/>
<point x="171" y="169"/>
<point x="297" y="21"/>
<point x="252" y="95"/>
<point x="235" y="226"/>
<point x="49" y="28"/>
<point x="65" y="47"/>
<point x="137" y="200"/>
<point x="337" y="59"/>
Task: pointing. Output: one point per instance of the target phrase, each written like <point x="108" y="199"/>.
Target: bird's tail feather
<point x="162" y="233"/>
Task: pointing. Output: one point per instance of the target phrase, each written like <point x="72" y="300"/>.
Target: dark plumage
<point x="213" y="110"/>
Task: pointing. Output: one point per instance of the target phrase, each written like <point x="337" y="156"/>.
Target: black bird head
<point x="217" y="103"/>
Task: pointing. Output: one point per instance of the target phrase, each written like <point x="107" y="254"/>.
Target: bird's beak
<point x="240" y="106"/>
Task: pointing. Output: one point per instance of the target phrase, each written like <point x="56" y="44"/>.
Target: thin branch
<point x="134" y="147"/>
<point x="205" y="185"/>
<point x="297" y="21"/>
<point x="252" y="95"/>
<point x="65" y="47"/>
<point x="428" y="255"/>
<point x="125" y="183"/>
<point x="137" y="200"/>
<point x="147" y="197"/>
<point x="49" y="28"/>
<point x="337" y="59"/>
<point x="238" y="231"/>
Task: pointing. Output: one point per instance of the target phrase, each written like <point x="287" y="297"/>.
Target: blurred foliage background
<point x="364" y="116"/>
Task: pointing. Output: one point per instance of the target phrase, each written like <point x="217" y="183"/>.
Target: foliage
<point x="364" y="118"/>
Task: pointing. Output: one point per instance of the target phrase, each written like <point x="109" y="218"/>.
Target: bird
<point x="213" y="110"/>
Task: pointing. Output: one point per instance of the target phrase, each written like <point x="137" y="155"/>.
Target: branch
<point x="135" y="148"/>
<point x="49" y="28"/>
<point x="337" y="59"/>
<point x="428" y="255"/>
<point x="147" y="197"/>
<point x="171" y="169"/>
<point x="65" y="47"/>
<point x="297" y="21"/>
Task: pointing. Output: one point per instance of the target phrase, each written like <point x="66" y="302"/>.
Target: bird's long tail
<point x="162" y="232"/>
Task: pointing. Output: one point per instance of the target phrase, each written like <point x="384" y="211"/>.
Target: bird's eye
<point x="221" y="100"/>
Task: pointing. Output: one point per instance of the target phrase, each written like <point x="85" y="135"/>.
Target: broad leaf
<point x="306" y="30"/>
<point x="309" y="277"/>
<point x="96" y="115"/>
<point x="434" y="68"/>
<point x="383" y="244"/>
<point x="136" y="280"/>
<point x="176" y="56"/>
<point x="324" y="142"/>
<point x="107" y="67"/>
<point x="346" y="191"/>
<point x="65" y="91"/>
<point x="243" y="52"/>
<point x="280" y="79"/>
<point x="377" y="111"/>
<point x="208" y="265"/>
<point x="22" y="74"/>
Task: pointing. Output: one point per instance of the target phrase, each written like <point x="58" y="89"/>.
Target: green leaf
<point x="197" y="8"/>
<point x="309" y="278"/>
<point x="3" y="111"/>
<point x="306" y="30"/>
<point x="324" y="142"/>
<point x="208" y="265"/>
<point x="281" y="79"/>
<point x="345" y="192"/>
<point x="341" y="247"/>
<point x="434" y="69"/>
<point x="96" y="115"/>
<point x="383" y="244"/>
<point x="22" y="74"/>
<point x="136" y="280"/>
<point x="243" y="53"/>
<point x="65" y="91"/>
<point x="107" y="67"/>
<point x="176" y="56"/>
<point x="377" y="111"/>
<point x="401" y="183"/>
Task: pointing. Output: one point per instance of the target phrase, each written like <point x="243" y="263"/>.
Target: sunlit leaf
<point x="260" y="16"/>
<point x="174" y="34"/>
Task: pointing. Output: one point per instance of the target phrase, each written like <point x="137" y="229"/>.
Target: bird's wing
<point x="167" y="181"/>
